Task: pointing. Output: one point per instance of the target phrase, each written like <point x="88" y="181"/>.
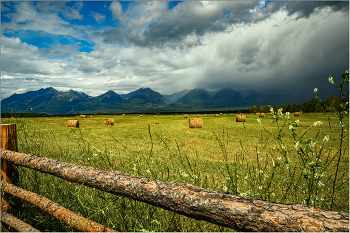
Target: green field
<point x="250" y="159"/>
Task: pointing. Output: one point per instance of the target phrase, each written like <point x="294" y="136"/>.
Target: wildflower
<point x="330" y="79"/>
<point x="287" y="115"/>
<point x="316" y="123"/>
<point x="280" y="114"/>
<point x="279" y="158"/>
<point x="291" y="127"/>
<point x="320" y="183"/>
<point x="271" y="110"/>
<point x="224" y="188"/>
<point x="297" y="121"/>
<point x="296" y="145"/>
<point x="326" y="138"/>
<point x="287" y="165"/>
<point x="315" y="90"/>
<point x="148" y="171"/>
<point x="312" y="145"/>
<point x="259" y="121"/>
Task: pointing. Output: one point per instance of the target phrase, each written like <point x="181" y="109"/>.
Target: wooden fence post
<point x="9" y="172"/>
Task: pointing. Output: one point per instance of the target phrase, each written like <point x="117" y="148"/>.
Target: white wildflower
<point x="297" y="121"/>
<point x="279" y="158"/>
<point x="287" y="115"/>
<point x="312" y="145"/>
<point x="316" y="123"/>
<point x="271" y="110"/>
<point x="315" y="90"/>
<point x="330" y="79"/>
<point x="148" y="171"/>
<point x="259" y="121"/>
<point x="320" y="183"/>
<point x="326" y="138"/>
<point x="296" y="145"/>
<point x="291" y="127"/>
<point x="280" y="114"/>
<point x="224" y="188"/>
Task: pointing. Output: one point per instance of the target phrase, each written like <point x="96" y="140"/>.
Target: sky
<point x="96" y="46"/>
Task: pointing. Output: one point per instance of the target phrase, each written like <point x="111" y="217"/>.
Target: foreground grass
<point x="240" y="158"/>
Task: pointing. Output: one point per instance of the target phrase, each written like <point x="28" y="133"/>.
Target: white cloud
<point x="27" y="17"/>
<point x="116" y="9"/>
<point x="98" y="17"/>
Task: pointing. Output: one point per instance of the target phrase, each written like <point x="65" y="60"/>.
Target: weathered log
<point x="64" y="215"/>
<point x="237" y="212"/>
<point x="16" y="223"/>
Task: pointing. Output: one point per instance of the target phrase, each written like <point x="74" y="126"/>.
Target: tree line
<point x="312" y="105"/>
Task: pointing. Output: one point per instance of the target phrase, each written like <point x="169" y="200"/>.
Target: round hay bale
<point x="123" y="115"/>
<point x="155" y="116"/>
<point x="216" y="115"/>
<point x="220" y="113"/>
<point x="240" y="118"/>
<point x="185" y="116"/>
<point x="195" y="123"/>
<point x="257" y="113"/>
<point x="108" y="121"/>
<point x="72" y="124"/>
<point x="140" y="115"/>
<point x="198" y="115"/>
<point x="83" y="116"/>
<point x="78" y="116"/>
<point x="90" y="115"/>
<point x="262" y="114"/>
<point x="297" y="114"/>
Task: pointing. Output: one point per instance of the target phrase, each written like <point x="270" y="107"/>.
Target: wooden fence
<point x="237" y="212"/>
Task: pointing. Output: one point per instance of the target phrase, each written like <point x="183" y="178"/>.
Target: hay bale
<point x="198" y="115"/>
<point x="140" y="115"/>
<point x="220" y="113"/>
<point x="301" y="112"/>
<point x="90" y="115"/>
<point x="240" y="118"/>
<point x="185" y="116"/>
<point x="216" y="115"/>
<point x="297" y="114"/>
<point x="72" y="124"/>
<point x="155" y="116"/>
<point x="195" y="123"/>
<point x="262" y="114"/>
<point x="108" y="121"/>
<point x="123" y="114"/>
<point x="83" y="116"/>
<point x="78" y="116"/>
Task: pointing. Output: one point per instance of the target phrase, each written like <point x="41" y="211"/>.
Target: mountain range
<point x="50" y="101"/>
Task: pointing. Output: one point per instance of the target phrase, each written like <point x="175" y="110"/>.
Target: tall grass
<point x="281" y="158"/>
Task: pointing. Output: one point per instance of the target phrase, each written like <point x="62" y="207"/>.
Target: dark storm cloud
<point x="185" y="25"/>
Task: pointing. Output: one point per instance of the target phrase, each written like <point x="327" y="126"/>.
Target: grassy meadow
<point x="281" y="162"/>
